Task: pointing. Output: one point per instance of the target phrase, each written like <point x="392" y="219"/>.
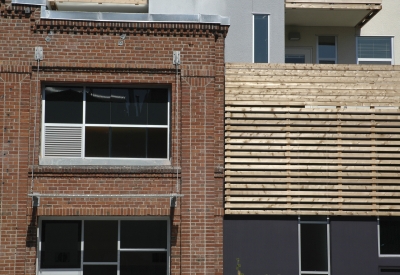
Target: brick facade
<point x="86" y="53"/>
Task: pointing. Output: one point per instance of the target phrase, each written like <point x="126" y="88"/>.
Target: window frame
<point x="327" y="59"/>
<point x="82" y="219"/>
<point x="82" y="160"/>
<point x="268" y="37"/>
<point x="380" y="255"/>
<point x="391" y="60"/>
<point x="300" y="222"/>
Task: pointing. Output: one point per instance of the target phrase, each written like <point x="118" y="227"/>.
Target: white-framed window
<point x="327" y="50"/>
<point x="375" y="50"/>
<point x="261" y="38"/>
<point x="314" y="245"/>
<point x="107" y="246"/>
<point x="105" y="125"/>
<point x="389" y="236"/>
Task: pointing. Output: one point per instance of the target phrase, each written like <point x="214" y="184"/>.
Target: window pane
<point x="98" y="105"/>
<point x="376" y="62"/>
<point x="97" y="142"/>
<point x="390" y="235"/>
<point x="260" y="38"/>
<point x="326" y="47"/>
<point x="129" y="106"/>
<point x="158" y="107"/>
<point x="143" y="263"/>
<point x="100" y="245"/>
<point x="157" y="143"/>
<point x="295" y="58"/>
<point x="314" y="247"/>
<point x="374" y="47"/>
<point x="128" y="142"/>
<point x="99" y="270"/>
<point x="63" y="105"/>
<point x="143" y="234"/>
<point x="60" y="244"/>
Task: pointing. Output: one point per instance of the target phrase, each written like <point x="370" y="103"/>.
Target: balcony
<point x="337" y="13"/>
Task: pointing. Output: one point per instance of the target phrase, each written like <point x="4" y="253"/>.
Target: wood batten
<point x="312" y="139"/>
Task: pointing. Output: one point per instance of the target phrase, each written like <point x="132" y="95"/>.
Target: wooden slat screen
<point x="312" y="139"/>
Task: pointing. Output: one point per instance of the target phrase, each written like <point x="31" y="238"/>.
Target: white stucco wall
<point x="239" y="42"/>
<point x="386" y="23"/>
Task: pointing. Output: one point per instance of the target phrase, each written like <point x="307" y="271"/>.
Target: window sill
<point x="102" y="161"/>
<point x="109" y="170"/>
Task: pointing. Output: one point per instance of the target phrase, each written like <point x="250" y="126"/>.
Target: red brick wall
<point x="87" y="52"/>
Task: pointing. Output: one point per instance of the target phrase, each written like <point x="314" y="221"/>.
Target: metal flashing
<point x="29" y="2"/>
<point x="133" y="17"/>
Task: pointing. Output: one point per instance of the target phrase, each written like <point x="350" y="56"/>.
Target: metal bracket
<point x="35" y="201"/>
<point x="173" y="202"/>
<point x="176" y="58"/>
<point x="38" y="53"/>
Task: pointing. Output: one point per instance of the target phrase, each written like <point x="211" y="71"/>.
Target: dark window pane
<point x="314" y="247"/>
<point x="63" y="105"/>
<point x="101" y="241"/>
<point x="97" y="142"/>
<point x="98" y="101"/>
<point x="261" y="38"/>
<point x="390" y="235"/>
<point x="326" y="47"/>
<point x="128" y="142"/>
<point x="139" y="106"/>
<point x="295" y="58"/>
<point x="327" y="62"/>
<point x="157" y="143"/>
<point x="99" y="270"/>
<point x="121" y="107"/>
<point x="158" y="107"/>
<point x="143" y="234"/>
<point x="314" y="218"/>
<point x="143" y="263"/>
<point x="61" y="244"/>
<point x="375" y="62"/>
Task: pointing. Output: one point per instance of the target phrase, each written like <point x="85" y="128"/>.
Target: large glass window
<point x="389" y="236"/>
<point x="375" y="50"/>
<point x="110" y="247"/>
<point x="314" y="245"/>
<point x="327" y="52"/>
<point x="261" y="39"/>
<point x="105" y="123"/>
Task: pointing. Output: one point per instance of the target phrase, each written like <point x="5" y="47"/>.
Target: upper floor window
<point x="105" y="125"/>
<point x="261" y="38"/>
<point x="327" y="50"/>
<point x="375" y="50"/>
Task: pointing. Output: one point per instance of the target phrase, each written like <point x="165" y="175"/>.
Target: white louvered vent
<point x="63" y="141"/>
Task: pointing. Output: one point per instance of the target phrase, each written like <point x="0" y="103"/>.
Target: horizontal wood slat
<point x="312" y="139"/>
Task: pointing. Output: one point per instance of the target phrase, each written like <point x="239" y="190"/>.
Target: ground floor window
<point x="314" y="252"/>
<point x="107" y="247"/>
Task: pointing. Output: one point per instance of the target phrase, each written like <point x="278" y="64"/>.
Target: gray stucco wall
<point x="354" y="245"/>
<point x="265" y="245"/>
<point x="269" y="245"/>
<point x="239" y="43"/>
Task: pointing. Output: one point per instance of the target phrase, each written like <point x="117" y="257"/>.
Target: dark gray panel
<point x="265" y="245"/>
<point x="354" y="246"/>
